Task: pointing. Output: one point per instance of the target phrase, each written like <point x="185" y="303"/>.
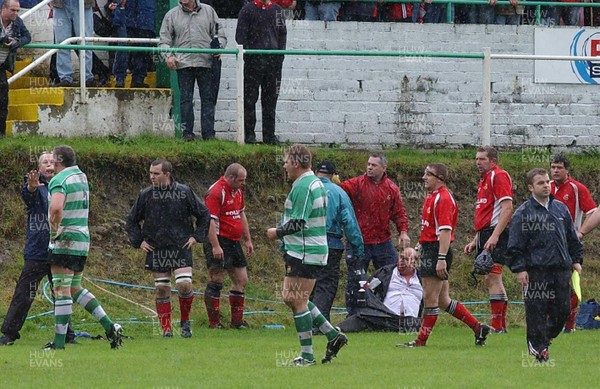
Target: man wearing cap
<point x="340" y="221"/>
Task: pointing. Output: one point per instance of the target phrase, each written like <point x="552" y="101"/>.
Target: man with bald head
<point x="225" y="202"/>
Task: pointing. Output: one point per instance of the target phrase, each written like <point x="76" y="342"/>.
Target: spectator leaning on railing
<point x="66" y="25"/>
<point x="509" y="14"/>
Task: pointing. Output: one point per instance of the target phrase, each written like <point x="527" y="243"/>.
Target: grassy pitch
<point x="254" y="358"/>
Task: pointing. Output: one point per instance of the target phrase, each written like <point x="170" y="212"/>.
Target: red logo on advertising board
<point x="595" y="51"/>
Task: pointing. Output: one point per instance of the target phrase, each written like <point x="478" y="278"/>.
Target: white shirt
<point x="404" y="295"/>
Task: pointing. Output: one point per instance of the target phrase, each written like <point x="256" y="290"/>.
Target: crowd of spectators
<point x="427" y="12"/>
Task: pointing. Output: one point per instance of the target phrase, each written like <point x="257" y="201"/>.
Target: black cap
<point x="326" y="167"/>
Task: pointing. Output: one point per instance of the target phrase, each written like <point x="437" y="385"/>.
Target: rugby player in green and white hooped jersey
<point x="69" y="247"/>
<point x="304" y="237"/>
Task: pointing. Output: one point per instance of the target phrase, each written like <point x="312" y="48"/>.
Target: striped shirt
<point x="75" y="236"/>
<point x="4" y="51"/>
<point x="307" y="201"/>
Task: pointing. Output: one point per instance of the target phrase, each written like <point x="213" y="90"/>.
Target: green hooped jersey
<point x="75" y="236"/>
<point x="307" y="201"/>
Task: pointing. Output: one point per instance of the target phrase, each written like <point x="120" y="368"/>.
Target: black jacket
<point x="542" y="238"/>
<point x="167" y="217"/>
<point x="38" y="229"/>
<point x="21" y="35"/>
<point x="261" y="28"/>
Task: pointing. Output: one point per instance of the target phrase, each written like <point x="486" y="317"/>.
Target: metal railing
<point x="486" y="56"/>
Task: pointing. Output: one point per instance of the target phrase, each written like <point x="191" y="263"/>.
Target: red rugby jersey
<point x="576" y="197"/>
<point x="439" y="213"/>
<point x="494" y="187"/>
<point x="225" y="206"/>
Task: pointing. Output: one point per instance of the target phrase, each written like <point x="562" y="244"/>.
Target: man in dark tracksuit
<point x="161" y="224"/>
<point x="261" y="25"/>
<point x="35" y="195"/>
<point x="543" y="249"/>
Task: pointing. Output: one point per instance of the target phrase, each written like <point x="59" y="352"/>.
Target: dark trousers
<point x="3" y="99"/>
<point x="380" y="254"/>
<point x="139" y="62"/>
<point x="547" y="305"/>
<point x="327" y="282"/>
<point x="187" y="79"/>
<point x="25" y="292"/>
<point x="264" y="72"/>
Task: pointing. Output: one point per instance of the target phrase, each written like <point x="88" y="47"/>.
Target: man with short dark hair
<point x="543" y="250"/>
<point x="580" y="203"/>
<point x="69" y="247"/>
<point x="160" y="223"/>
<point x="225" y="202"/>
<point x="438" y="225"/>
<point x="377" y="202"/>
<point x="492" y="215"/>
<point x="304" y="234"/>
<point x="13" y="35"/>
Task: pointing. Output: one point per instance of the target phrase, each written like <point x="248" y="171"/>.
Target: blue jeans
<point x="187" y="78"/>
<point x="66" y="22"/>
<point x="122" y="57"/>
<point x="323" y="11"/>
<point x="511" y="20"/>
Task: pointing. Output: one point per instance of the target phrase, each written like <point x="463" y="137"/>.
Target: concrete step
<point x="23" y="112"/>
<point x="48" y="96"/>
<point x="32" y="124"/>
<point x="19" y="65"/>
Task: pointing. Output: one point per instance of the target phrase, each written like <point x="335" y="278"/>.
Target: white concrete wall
<point x="106" y="112"/>
<point x="375" y="101"/>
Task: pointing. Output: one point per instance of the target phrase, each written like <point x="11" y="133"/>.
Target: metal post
<point x="486" y="99"/>
<point x="82" y="70"/>
<point x="448" y="13"/>
<point x="240" y="94"/>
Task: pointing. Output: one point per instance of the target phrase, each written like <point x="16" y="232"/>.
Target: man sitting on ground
<point x="392" y="299"/>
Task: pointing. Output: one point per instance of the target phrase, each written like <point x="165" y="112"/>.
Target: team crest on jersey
<point x="485" y="187"/>
<point x="428" y="209"/>
<point x="229" y="202"/>
<point x="566" y="197"/>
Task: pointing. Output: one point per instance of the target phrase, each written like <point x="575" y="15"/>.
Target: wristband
<point x="441" y="257"/>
